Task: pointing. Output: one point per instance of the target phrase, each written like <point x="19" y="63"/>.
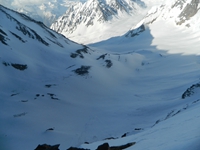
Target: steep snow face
<point x="93" y="20"/>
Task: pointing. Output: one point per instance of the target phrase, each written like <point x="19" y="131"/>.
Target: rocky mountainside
<point x="94" y="15"/>
<point x="180" y="13"/>
<point x="90" y="12"/>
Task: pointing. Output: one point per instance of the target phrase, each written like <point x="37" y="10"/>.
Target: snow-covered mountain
<point x="182" y="12"/>
<point x="34" y="59"/>
<point x="140" y="87"/>
<point x="93" y="20"/>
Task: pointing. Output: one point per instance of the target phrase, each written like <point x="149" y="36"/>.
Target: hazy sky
<point x="45" y="13"/>
<point x="22" y="3"/>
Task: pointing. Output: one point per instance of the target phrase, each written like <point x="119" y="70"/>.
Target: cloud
<point x="13" y="4"/>
<point x="21" y="3"/>
<point x="6" y="3"/>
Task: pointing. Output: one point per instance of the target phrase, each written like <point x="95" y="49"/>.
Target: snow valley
<point x="138" y="87"/>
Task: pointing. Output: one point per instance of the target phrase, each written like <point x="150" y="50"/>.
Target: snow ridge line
<point x="176" y="112"/>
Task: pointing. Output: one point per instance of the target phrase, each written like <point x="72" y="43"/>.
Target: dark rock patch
<point x="178" y="4"/>
<point x="52" y="96"/>
<point x="5" y="64"/>
<point x="196" y="101"/>
<point x="2" y="32"/>
<point x="47" y="147"/>
<point x="39" y="38"/>
<point x="106" y="146"/>
<point x="36" y="96"/>
<point x="124" y="135"/>
<point x="16" y="66"/>
<point x="31" y="33"/>
<point x="102" y="56"/>
<point x="70" y="66"/>
<point x="24" y="30"/>
<point x="20" y="114"/>
<point x="50" y="129"/>
<point x="18" y="37"/>
<point x="49" y="85"/>
<point x="24" y="101"/>
<point x="138" y="129"/>
<point x="108" y="63"/>
<point x="19" y="66"/>
<point x="80" y="52"/>
<point x="157" y="121"/>
<point x="14" y="94"/>
<point x="83" y="70"/>
<point x="73" y="55"/>
<point x="3" y="39"/>
<point x="189" y="11"/>
<point x="190" y="91"/>
<point x="136" y="32"/>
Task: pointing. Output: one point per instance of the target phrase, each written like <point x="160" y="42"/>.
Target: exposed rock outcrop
<point x="47" y="147"/>
<point x="106" y="146"/>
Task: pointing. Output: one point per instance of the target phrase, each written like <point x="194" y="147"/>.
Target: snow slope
<point x="56" y="91"/>
<point x="178" y="47"/>
<point x="178" y="132"/>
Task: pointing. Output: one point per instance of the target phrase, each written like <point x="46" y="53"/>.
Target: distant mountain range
<point x="44" y="11"/>
<point x="96" y="17"/>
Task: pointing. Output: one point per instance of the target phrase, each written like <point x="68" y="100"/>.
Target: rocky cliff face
<point x="188" y="11"/>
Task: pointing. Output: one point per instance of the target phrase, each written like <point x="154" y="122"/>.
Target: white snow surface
<point x="139" y="94"/>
